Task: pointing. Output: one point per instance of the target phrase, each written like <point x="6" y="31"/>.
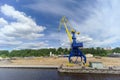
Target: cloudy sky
<point x="33" y="24"/>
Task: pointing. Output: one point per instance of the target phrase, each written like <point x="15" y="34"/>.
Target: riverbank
<point x="54" y="61"/>
<point x="30" y="66"/>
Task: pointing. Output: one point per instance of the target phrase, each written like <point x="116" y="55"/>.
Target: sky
<point x="33" y="24"/>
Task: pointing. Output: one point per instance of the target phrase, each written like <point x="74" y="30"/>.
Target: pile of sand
<point x="5" y="61"/>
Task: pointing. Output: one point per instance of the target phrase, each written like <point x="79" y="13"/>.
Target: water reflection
<point x="50" y="74"/>
<point x="66" y="76"/>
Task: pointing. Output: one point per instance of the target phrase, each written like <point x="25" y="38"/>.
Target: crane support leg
<point x="82" y="56"/>
<point x="69" y="58"/>
<point x="79" y="54"/>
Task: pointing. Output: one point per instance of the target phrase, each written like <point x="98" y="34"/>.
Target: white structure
<point x="51" y="54"/>
<point x="97" y="65"/>
<point x="89" y="55"/>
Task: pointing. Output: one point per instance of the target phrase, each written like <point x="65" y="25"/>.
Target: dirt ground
<point x="107" y="61"/>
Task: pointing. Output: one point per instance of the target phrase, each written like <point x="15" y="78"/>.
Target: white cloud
<point x="103" y="24"/>
<point x="35" y="45"/>
<point x="3" y="22"/>
<point x="71" y="8"/>
<point x="99" y="19"/>
<point x="60" y="8"/>
<point x="65" y="42"/>
<point x="50" y="6"/>
<point x="10" y="43"/>
<point x="83" y="38"/>
<point x="79" y="38"/>
<point x="22" y="27"/>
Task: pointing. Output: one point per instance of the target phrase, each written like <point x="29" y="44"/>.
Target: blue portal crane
<point x="75" y="51"/>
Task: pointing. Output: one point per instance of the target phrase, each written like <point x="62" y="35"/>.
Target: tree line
<point x="60" y="51"/>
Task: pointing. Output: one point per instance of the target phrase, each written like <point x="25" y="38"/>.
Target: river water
<point x="49" y="74"/>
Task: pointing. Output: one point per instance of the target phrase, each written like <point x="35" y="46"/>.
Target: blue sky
<point x="33" y="24"/>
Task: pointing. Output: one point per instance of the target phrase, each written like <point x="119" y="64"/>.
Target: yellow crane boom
<point x="66" y="24"/>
